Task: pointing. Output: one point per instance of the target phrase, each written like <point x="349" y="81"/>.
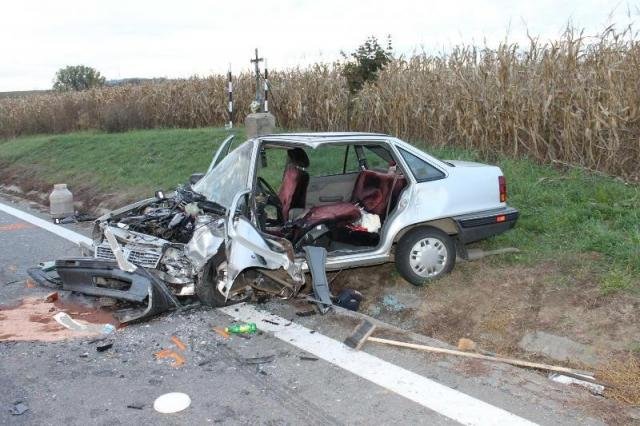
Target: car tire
<point x="425" y="254"/>
<point x="206" y="288"/>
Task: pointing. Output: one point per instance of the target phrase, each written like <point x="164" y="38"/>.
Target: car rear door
<point x="333" y="171"/>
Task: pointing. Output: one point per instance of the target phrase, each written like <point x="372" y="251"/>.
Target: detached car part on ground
<point x="228" y="233"/>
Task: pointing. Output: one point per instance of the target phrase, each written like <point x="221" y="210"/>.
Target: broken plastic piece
<point x="51" y="297"/>
<point x="66" y="321"/>
<point x="221" y="332"/>
<point x="242" y="328"/>
<point x="172" y="402"/>
<point x="594" y="388"/>
<point x="349" y="299"/>
<point x="316" y="259"/>
<point x="18" y="408"/>
<point x="104" y="347"/>
<point x="179" y="343"/>
<point x="178" y="360"/>
<point x="259" y="359"/>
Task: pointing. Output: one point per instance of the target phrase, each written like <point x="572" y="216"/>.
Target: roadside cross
<point x="256" y="63"/>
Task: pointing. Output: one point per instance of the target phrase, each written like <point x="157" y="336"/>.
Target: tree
<point x="363" y="65"/>
<point x="77" y="77"/>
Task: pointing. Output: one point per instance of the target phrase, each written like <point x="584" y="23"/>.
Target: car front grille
<point x="140" y="256"/>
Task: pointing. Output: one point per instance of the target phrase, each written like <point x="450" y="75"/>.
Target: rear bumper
<point x="480" y="225"/>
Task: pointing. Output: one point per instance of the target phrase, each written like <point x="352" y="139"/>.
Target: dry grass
<point x="625" y="376"/>
<point x="571" y="102"/>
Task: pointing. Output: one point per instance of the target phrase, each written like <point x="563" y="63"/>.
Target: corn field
<point x="575" y="101"/>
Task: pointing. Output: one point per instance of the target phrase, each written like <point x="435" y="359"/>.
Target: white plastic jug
<point x="60" y="201"/>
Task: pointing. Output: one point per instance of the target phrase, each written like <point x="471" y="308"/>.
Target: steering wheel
<point x="272" y="199"/>
<point x="265" y="188"/>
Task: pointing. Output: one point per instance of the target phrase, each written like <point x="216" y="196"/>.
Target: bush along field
<point x="573" y="216"/>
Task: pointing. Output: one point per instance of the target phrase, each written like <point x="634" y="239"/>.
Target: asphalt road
<point x="69" y="382"/>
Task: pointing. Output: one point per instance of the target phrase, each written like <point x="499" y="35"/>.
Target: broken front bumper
<point x="105" y="279"/>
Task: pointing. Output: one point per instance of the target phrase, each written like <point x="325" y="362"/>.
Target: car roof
<point x="319" y="138"/>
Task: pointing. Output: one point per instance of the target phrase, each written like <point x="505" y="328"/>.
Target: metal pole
<point x="230" y="104"/>
<point x="266" y="87"/>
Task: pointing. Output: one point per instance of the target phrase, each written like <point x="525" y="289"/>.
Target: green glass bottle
<point x="242" y="328"/>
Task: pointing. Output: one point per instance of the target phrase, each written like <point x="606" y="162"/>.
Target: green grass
<point x="578" y="219"/>
<point x="137" y="161"/>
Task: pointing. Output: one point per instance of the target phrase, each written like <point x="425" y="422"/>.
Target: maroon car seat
<point x="293" y="191"/>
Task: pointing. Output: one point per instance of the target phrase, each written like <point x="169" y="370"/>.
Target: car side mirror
<point x="194" y="178"/>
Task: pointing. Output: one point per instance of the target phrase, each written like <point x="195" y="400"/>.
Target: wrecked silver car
<point x="343" y="200"/>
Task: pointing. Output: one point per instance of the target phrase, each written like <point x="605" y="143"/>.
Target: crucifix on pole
<point x="256" y="63"/>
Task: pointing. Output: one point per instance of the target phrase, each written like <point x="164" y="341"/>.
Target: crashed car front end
<point x="147" y="257"/>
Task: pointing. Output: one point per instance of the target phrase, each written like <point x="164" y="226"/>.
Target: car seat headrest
<point x="298" y="157"/>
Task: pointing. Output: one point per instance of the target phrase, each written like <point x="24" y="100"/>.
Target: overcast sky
<point x="156" y="38"/>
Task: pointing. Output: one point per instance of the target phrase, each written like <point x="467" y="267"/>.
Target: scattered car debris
<point x="349" y="299"/>
<point x="316" y="259"/>
<point x="136" y="405"/>
<point x="172" y="402"/>
<point x="18" y="408"/>
<point x="84" y="355"/>
<point x="178" y="360"/>
<point x="271" y="322"/>
<point x="66" y="321"/>
<point x="241" y="329"/>
<point x="221" y="332"/>
<point x="259" y="360"/>
<point x="51" y="297"/>
<point x="104" y="347"/>
<point x="179" y="343"/>
<point x="308" y="358"/>
<point x="77" y="217"/>
<point x="588" y="382"/>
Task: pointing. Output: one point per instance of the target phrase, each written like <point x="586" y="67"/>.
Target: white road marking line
<point x="428" y="393"/>
<point x="65" y="233"/>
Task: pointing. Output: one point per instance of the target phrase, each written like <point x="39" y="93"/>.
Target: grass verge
<point x="582" y="220"/>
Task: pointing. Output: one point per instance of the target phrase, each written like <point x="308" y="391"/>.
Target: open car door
<point x="246" y="247"/>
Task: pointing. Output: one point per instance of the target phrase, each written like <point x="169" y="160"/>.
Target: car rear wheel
<point x="425" y="254"/>
<point x="207" y="289"/>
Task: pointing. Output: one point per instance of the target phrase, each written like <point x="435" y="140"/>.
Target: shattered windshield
<point x="228" y="177"/>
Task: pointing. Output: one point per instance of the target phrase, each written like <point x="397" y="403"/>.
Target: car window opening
<point x="335" y="196"/>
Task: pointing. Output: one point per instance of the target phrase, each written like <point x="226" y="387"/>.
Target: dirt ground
<point x="496" y="304"/>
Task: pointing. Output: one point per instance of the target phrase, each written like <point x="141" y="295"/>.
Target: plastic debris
<point x="594" y="388"/>
<point x="242" y="328"/>
<point x="221" y="332"/>
<point x="66" y="321"/>
<point x="19" y="408"/>
<point x="51" y="297"/>
<point x="172" y="402"/>
<point x="179" y="343"/>
<point x="104" y="347"/>
<point x="259" y="359"/>
<point x="178" y="360"/>
<point x="349" y="299"/>
<point x="136" y="405"/>
<point x="308" y="358"/>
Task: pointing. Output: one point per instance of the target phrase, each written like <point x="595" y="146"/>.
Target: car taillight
<point x="502" y="184"/>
